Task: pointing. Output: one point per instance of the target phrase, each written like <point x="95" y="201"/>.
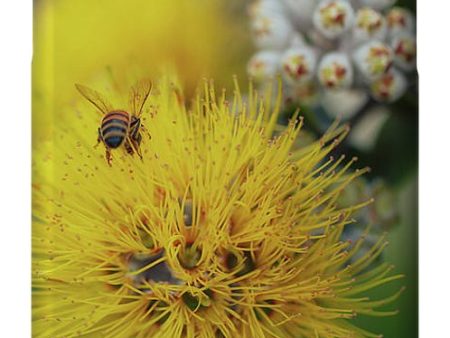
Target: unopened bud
<point x="369" y="24"/>
<point x="373" y="59"/>
<point x="333" y="17"/>
<point x="271" y="31"/>
<point x="404" y="47"/>
<point x="335" y="71"/>
<point x="344" y="103"/>
<point x="399" y="20"/>
<point x="263" y="65"/>
<point x="390" y="87"/>
<point x="298" y="64"/>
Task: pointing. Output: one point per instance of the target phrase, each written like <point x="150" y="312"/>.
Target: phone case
<point x="224" y="169"/>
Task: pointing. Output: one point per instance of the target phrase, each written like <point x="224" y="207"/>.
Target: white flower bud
<point x="344" y="103"/>
<point x="369" y="24"/>
<point x="335" y="71"/>
<point x="265" y="7"/>
<point x="333" y="17"/>
<point x="373" y="59"/>
<point x="301" y="11"/>
<point x="404" y="47"/>
<point x="399" y="20"/>
<point x="390" y="87"/>
<point x="263" y="65"/>
<point x="365" y="132"/>
<point x="298" y="64"/>
<point x="305" y="93"/>
<point x="378" y="4"/>
<point x="271" y="31"/>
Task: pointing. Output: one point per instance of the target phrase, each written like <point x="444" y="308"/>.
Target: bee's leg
<point x="128" y="147"/>
<point x="108" y="156"/>
<point x="138" y="150"/>
<point x="138" y="139"/>
<point x="133" y="145"/>
<point x="99" y="138"/>
<point x="136" y="144"/>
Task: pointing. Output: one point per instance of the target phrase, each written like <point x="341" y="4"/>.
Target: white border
<point x="15" y="163"/>
<point x="434" y="172"/>
<point x="15" y="182"/>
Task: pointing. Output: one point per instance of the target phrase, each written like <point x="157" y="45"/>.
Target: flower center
<point x="190" y="256"/>
<point x="158" y="273"/>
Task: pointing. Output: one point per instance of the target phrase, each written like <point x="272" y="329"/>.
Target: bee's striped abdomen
<point x="114" y="128"/>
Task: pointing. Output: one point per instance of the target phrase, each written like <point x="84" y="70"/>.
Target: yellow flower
<point x="73" y="39"/>
<point x="221" y="230"/>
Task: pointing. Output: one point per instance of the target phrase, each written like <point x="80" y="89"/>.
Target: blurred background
<point x="355" y="60"/>
<point x="376" y="94"/>
<point x="74" y="41"/>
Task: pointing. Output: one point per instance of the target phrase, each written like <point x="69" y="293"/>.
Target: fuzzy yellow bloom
<point x="221" y="230"/>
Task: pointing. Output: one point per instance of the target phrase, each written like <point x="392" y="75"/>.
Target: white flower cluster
<point x="334" y="50"/>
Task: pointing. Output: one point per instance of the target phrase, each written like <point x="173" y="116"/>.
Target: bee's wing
<point x="95" y="98"/>
<point x="139" y="94"/>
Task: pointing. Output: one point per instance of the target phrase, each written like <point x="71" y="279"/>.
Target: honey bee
<point x="119" y="127"/>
